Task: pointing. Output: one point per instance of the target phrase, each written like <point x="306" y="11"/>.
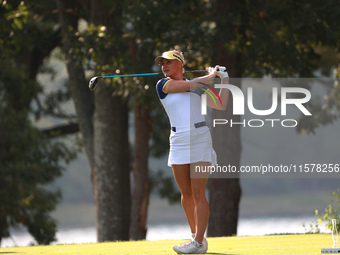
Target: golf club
<point x="94" y="80"/>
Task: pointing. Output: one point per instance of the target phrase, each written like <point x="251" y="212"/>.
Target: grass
<point x="275" y="244"/>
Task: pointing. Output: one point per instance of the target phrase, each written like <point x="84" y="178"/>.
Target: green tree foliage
<point x="326" y="110"/>
<point x="28" y="159"/>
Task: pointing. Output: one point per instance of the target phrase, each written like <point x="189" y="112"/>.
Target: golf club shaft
<point x="145" y="74"/>
<point x="94" y="80"/>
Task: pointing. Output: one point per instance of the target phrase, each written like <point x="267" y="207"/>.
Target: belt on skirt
<point x="196" y="125"/>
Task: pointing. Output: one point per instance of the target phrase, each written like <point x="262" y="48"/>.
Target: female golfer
<point x="190" y="141"/>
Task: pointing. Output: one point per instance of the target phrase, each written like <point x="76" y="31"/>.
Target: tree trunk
<point x="104" y="130"/>
<point x="3" y="227"/>
<point x="140" y="198"/>
<point x="111" y="144"/>
<point x="112" y="170"/>
<point x="225" y="193"/>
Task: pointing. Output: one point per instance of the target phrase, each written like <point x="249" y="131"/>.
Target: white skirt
<point x="191" y="146"/>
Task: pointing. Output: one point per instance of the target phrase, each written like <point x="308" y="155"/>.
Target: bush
<point x="331" y="212"/>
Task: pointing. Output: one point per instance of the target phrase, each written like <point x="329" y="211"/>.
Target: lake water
<point x="246" y="227"/>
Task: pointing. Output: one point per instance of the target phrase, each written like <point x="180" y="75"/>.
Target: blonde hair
<point x="180" y="53"/>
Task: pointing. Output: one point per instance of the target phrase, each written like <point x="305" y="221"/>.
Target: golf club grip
<point x="196" y="71"/>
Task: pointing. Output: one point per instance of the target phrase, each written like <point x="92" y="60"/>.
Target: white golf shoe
<point x="205" y="242"/>
<point x="192" y="247"/>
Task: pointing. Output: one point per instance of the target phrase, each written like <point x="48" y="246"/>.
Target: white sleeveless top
<point x="184" y="108"/>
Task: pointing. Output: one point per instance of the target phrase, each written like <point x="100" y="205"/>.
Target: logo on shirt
<point x="204" y="97"/>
